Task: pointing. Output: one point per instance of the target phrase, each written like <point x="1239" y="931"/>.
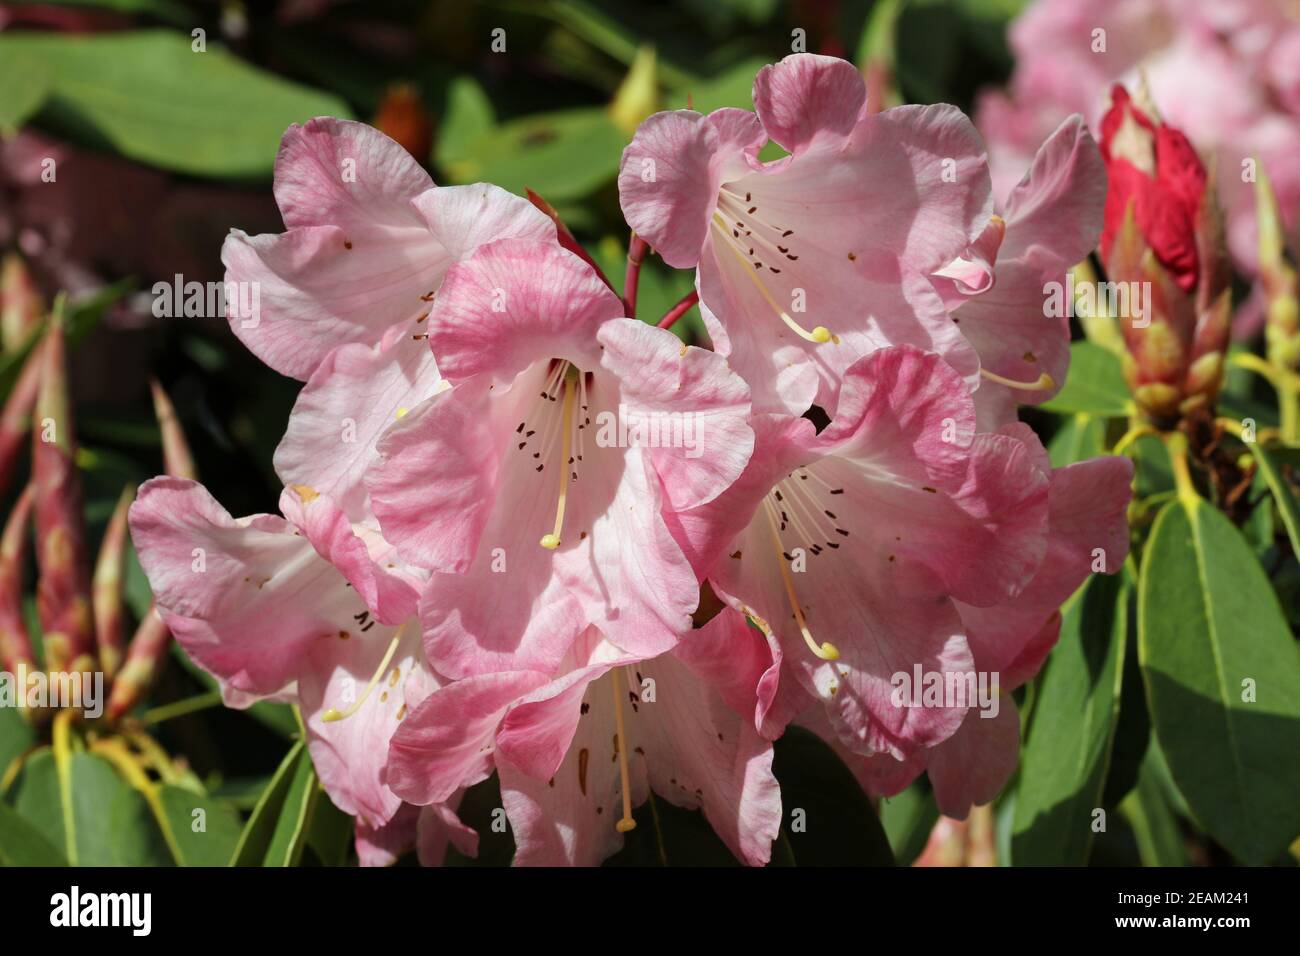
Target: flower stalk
<point x="147" y="651"/>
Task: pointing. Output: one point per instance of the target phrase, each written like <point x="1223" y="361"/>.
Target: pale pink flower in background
<point x="1223" y="71"/>
<point x="306" y="608"/>
<point x="811" y="261"/>
<point x="577" y="749"/>
<point x="516" y="486"/>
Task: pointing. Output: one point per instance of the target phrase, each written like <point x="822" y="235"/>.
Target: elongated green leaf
<point x="1154" y="824"/>
<point x="1080" y="437"/>
<point x="294" y="825"/>
<point x="99" y="820"/>
<point x="1095" y="384"/>
<point x="330" y="835"/>
<point x="1270" y="468"/>
<point x="1223" y="680"/>
<point x="204" y="830"/>
<point x="828" y="820"/>
<point x="467" y="117"/>
<point x="114" y="825"/>
<point x="908" y="819"/>
<point x="562" y="155"/>
<point x="36" y="797"/>
<point x="149" y="95"/>
<point x="261" y="826"/>
<point x="24" y="86"/>
<point x="1063" y="768"/>
<point x="23" y="844"/>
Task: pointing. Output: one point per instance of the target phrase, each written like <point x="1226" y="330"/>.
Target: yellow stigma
<point x="332" y="715"/>
<point x="402" y="411"/>
<point x="819" y="335"/>
<point x="626" y="824"/>
<point x="552" y="541"/>
<point x="825" y="650"/>
<point x="1042" y="383"/>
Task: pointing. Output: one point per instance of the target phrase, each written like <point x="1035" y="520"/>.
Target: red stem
<point x="636" y="253"/>
<point x="680" y="309"/>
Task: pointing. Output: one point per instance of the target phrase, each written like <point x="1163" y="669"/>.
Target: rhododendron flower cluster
<point x="504" y="499"/>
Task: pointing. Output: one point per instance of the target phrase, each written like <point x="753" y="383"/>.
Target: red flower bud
<point x="1153" y="168"/>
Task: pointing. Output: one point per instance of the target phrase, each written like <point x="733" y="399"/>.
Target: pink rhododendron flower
<point x="533" y="487"/>
<point x="809" y="262"/>
<point x="1088" y="533"/>
<point x="306" y="608"/>
<point x="369" y="239"/>
<point x="339" y="298"/>
<point x="897" y="510"/>
<point x="575" y="751"/>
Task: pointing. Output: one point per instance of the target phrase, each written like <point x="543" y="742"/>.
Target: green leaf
<point x="734" y="87"/>
<point x="908" y="819"/>
<point x="1095" y="384"/>
<point x="828" y="820"/>
<point x="113" y="824"/>
<point x="206" y="838"/>
<point x="1270" y="468"/>
<point x="562" y="155"/>
<point x="263" y="826"/>
<point x="468" y="116"/>
<point x="330" y="834"/>
<point x="169" y="10"/>
<point x="22" y="844"/>
<point x="25" y="83"/>
<point x="17" y="736"/>
<point x="1211" y="633"/>
<point x="294" y="825"/>
<point x="1154" y="825"/>
<point x="1065" y="759"/>
<point x="1080" y="437"/>
<point x="37" y="797"/>
<point x="99" y="820"/>
<point x="152" y="98"/>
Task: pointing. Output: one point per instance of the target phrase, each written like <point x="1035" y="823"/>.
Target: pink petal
<point x="445" y="743"/>
<point x="807" y="100"/>
<point x="246" y="599"/>
<point x="702" y="405"/>
<point x="670" y="173"/>
<point x="515" y="302"/>
<point x="971" y="767"/>
<point x="389" y="592"/>
<point x="351" y="755"/>
<point x="354" y="395"/>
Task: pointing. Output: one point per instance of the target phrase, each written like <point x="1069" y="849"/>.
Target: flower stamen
<point x="627" y="824"/>
<point x="332" y="715"/>
<point x="1043" y="381"/>
<point x="819" y="335"/>
<point x="552" y="541"/>
<point x="826" y="650"/>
